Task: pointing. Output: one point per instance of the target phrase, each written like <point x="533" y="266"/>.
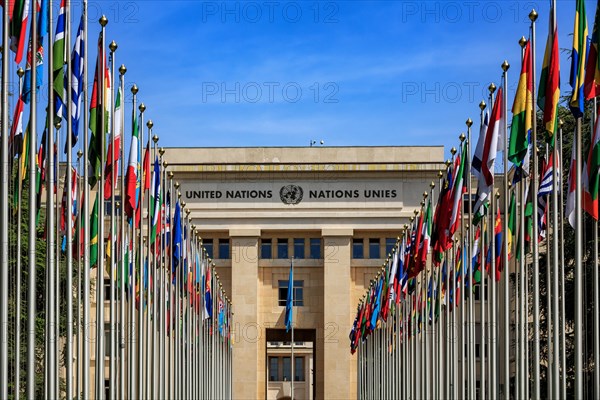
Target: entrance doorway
<point x="279" y="364"/>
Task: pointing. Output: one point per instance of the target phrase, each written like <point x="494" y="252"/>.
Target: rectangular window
<point x="299" y="248"/>
<point x="224" y="249"/>
<point x="287" y="369"/>
<point x="208" y="245"/>
<point x="315" y="248"/>
<point x="282" y="249"/>
<point x="299" y="369"/>
<point x="266" y="249"/>
<point x="358" y="250"/>
<point x="273" y="369"/>
<point x="298" y="293"/>
<point x="374" y="249"/>
<point x="390" y="243"/>
<point x="107" y="289"/>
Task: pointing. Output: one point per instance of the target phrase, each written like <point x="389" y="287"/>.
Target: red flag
<point x="147" y="167"/>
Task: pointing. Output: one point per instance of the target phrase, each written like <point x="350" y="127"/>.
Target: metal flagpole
<point x="506" y="270"/>
<point x="471" y="313"/>
<point x="86" y="213"/>
<point x="169" y="350"/>
<point x="113" y="265"/>
<point x="31" y="300"/>
<point x="18" y="294"/>
<point x="99" y="365"/>
<point x="534" y="236"/>
<point x="563" y="362"/>
<point x="132" y="346"/>
<point x="4" y="212"/>
<point x="155" y="282"/>
<point x="149" y="338"/>
<point x="50" y="245"/>
<point x="78" y="335"/>
<point x="176" y="305"/>
<point x="292" y="323"/>
<point x="124" y="242"/>
<point x="140" y="259"/>
<point x="461" y="347"/>
<point x="163" y="281"/>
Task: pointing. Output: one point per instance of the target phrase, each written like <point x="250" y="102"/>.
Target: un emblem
<point x="291" y="194"/>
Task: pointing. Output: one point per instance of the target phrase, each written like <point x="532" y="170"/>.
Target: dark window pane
<point x="299" y="248"/>
<point x="208" y="245"/>
<point x="298" y="293"/>
<point x="358" y="249"/>
<point x="374" y="249"/>
<point x="315" y="248"/>
<point x="282" y="249"/>
<point x="224" y="249"/>
<point x="287" y="369"/>
<point x="389" y="245"/>
<point x="266" y="249"/>
<point x="106" y="289"/>
<point x="273" y="368"/>
<point x="299" y="369"/>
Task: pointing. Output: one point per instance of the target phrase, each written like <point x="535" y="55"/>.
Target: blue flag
<point x="176" y="237"/>
<point x="290" y="301"/>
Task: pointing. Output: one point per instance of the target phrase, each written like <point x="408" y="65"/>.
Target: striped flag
<point x="578" y="59"/>
<point x="549" y="91"/>
<point x="77" y="80"/>
<point x="113" y="154"/>
<point x="592" y="68"/>
<point x="59" y="60"/>
<point x="478" y="156"/>
<point x="18" y="28"/>
<point x="132" y="177"/>
<point x="522" y="112"/>
<point x="155" y="200"/>
<point x="458" y="194"/>
<point x="490" y="147"/>
<point x="512" y="224"/>
<point x="592" y="173"/>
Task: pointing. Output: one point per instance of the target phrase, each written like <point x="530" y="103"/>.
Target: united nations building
<point x="335" y="212"/>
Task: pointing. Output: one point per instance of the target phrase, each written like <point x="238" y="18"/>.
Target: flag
<point x="94" y="234"/>
<point x="377" y="304"/>
<point x="592" y="69"/>
<point x="289" y="304"/>
<point x="549" y="91"/>
<point x="42" y="19"/>
<point x="146" y="170"/>
<point x="39" y="63"/>
<point x="522" y="111"/>
<point x="207" y="312"/>
<point x="16" y="130"/>
<point x="498" y="245"/>
<point x="458" y="194"/>
<point x="18" y="28"/>
<point x="77" y="81"/>
<point x="177" y="236"/>
<point x="59" y="60"/>
<point x="490" y="149"/>
<point x="132" y="177"/>
<point x="113" y="154"/>
<point x="155" y="201"/>
<point x="512" y="223"/>
<point x="424" y="249"/>
<point x="478" y="156"/>
<point x="592" y="175"/>
<point x="98" y="104"/>
<point x="578" y="59"/>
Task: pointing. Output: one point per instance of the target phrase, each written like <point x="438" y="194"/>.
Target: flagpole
<point x="563" y="362"/>
<point x="4" y="212"/>
<point x="18" y="294"/>
<point x="578" y="275"/>
<point x="124" y="244"/>
<point x="31" y="315"/>
<point x="114" y="254"/>
<point x="148" y="262"/>
<point x="471" y="314"/>
<point x="86" y="213"/>
<point x="505" y="266"/>
<point x="155" y="282"/>
<point x="140" y="314"/>
<point x="292" y="323"/>
<point x="163" y="282"/>
<point x="69" y="213"/>
<point x="78" y="335"/>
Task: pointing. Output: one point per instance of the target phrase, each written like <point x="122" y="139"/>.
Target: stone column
<point x="244" y="288"/>
<point x="339" y="382"/>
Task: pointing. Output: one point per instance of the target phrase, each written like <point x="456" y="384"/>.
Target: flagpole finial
<point x="155" y="138"/>
<point x="187" y="210"/>
<point x="150" y="124"/>
<point x="161" y="151"/>
<point x="165" y="164"/>
<point x="79" y="154"/>
<point x="469" y="122"/>
<point x="194" y="228"/>
<point x="497" y="195"/>
<point x="425" y="195"/>
<point x="509" y="185"/>
<point x="448" y="162"/>
<point x="462" y="136"/>
<point x="122" y="69"/>
<point x="412" y="219"/>
<point x="453" y="150"/>
<point x="522" y="41"/>
<point x="142" y="108"/>
<point x="118" y="204"/>
<point x="176" y="185"/>
<point x="113" y="46"/>
<point x="533" y="15"/>
<point x="20" y="72"/>
<point x="57" y="124"/>
<point x="492" y="88"/>
<point x="440" y="174"/>
<point x="505" y="66"/>
<point x="170" y="173"/>
<point x="432" y="184"/>
<point x="482" y="106"/>
<point x="134" y="89"/>
<point x="178" y="195"/>
<point x="560" y="122"/>
<point x="103" y="21"/>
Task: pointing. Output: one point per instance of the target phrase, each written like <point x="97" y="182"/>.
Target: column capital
<point x="337" y="232"/>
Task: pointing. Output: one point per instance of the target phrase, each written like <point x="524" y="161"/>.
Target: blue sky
<point x="347" y="72"/>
